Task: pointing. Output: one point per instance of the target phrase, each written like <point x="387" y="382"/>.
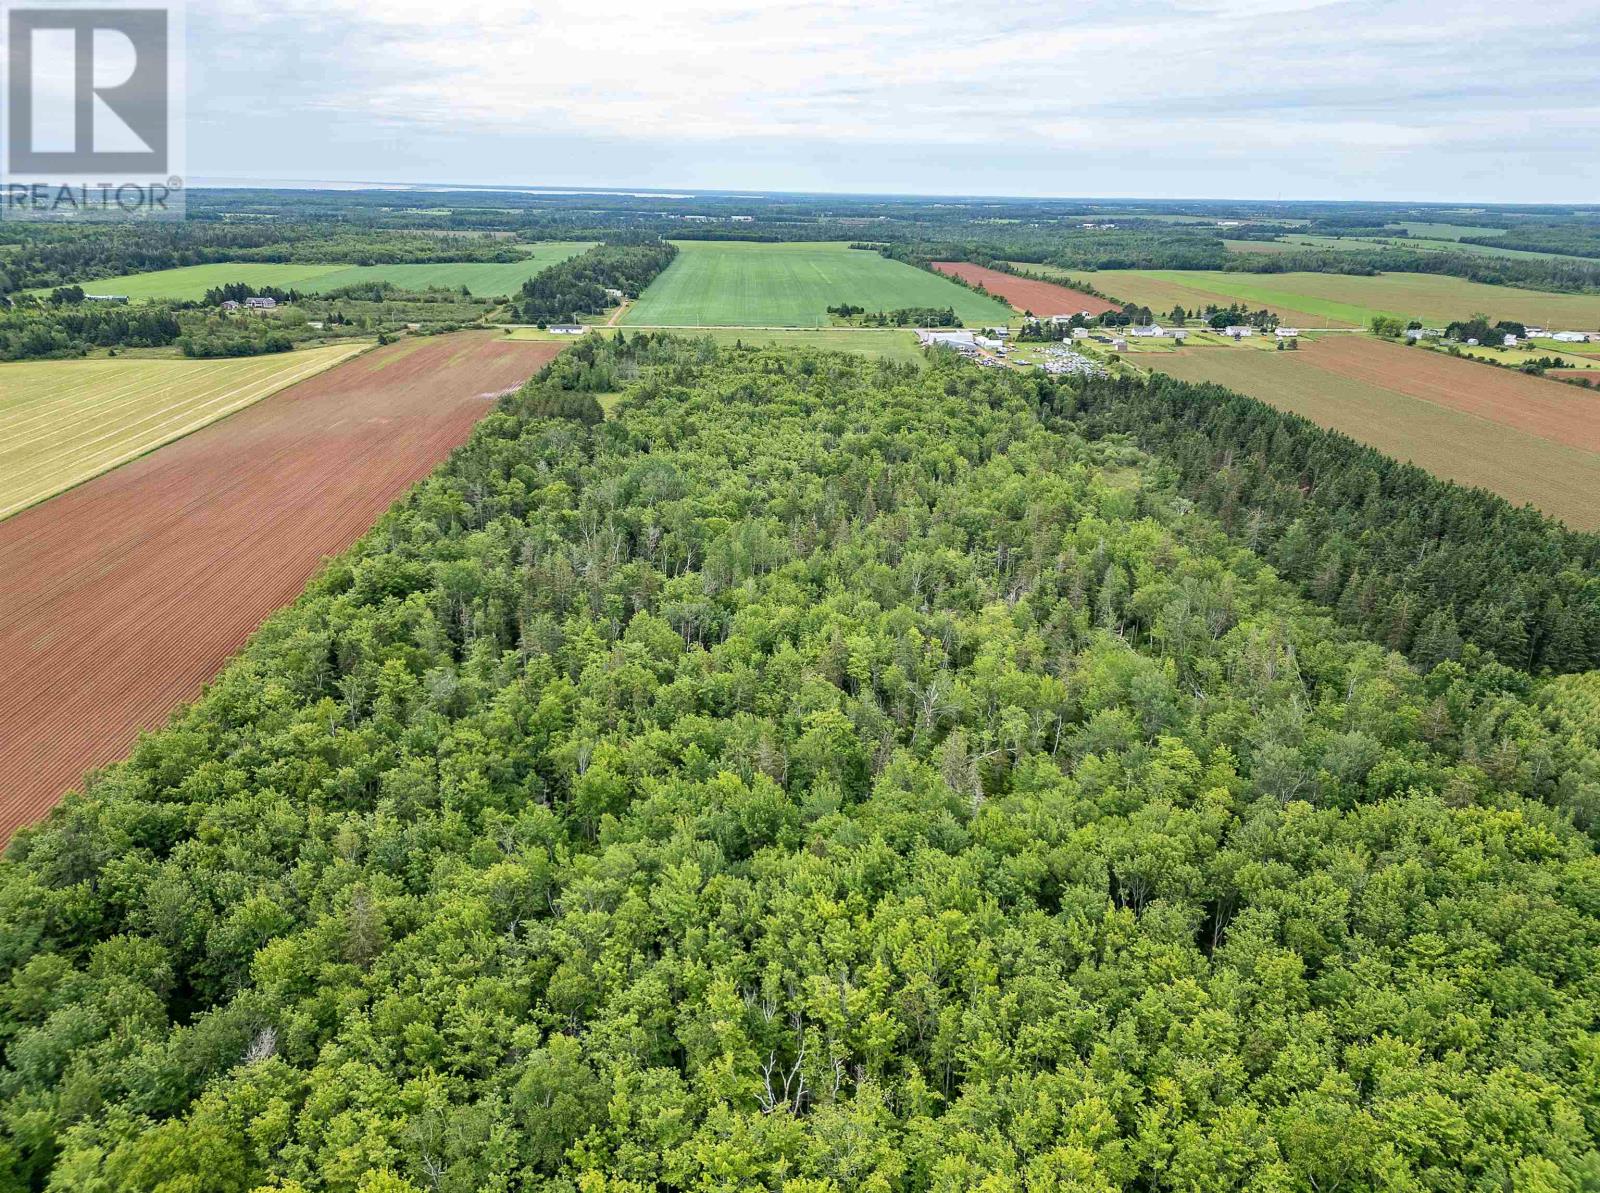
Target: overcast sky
<point x="1298" y="99"/>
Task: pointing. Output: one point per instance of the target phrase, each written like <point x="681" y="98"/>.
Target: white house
<point x="1287" y="333"/>
<point x="261" y="304"/>
<point x="1239" y="333"/>
<point x="567" y="329"/>
<point x="105" y="298"/>
<point x="1511" y="341"/>
<point x="1120" y="345"/>
<point x="1080" y="333"/>
<point x="1152" y="332"/>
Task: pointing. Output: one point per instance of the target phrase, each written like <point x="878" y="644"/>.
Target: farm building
<point x="1287" y="333"/>
<point x="1571" y="337"/>
<point x="1239" y="333"/>
<point x="230" y="305"/>
<point x="1153" y="332"/>
<point x="1510" y="340"/>
<point x="1120" y="344"/>
<point x="261" y="304"/>
<point x="567" y="329"/>
<point x="963" y="340"/>
<point x="987" y="342"/>
<point x="105" y="298"/>
<point x="1080" y="333"/>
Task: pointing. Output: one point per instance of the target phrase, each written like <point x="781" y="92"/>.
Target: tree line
<point x="1420" y="564"/>
<point x="565" y="292"/>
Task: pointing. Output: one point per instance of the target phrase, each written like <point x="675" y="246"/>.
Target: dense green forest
<point x="824" y="775"/>
<point x="1581" y="240"/>
<point x="567" y="291"/>
<point x="1417" y="563"/>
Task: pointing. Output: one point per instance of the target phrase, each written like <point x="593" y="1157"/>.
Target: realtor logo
<point x="93" y="100"/>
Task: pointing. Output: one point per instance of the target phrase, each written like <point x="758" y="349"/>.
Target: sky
<point x="1300" y="99"/>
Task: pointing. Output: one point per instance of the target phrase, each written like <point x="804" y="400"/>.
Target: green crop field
<point x="1335" y="300"/>
<point x="188" y="284"/>
<point x="1562" y="480"/>
<point x="1445" y="231"/>
<point x="740" y="284"/>
<point x="65" y="421"/>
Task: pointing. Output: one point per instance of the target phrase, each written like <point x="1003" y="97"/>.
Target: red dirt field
<point x="1560" y="413"/>
<point x="1042" y="298"/>
<point x="122" y="598"/>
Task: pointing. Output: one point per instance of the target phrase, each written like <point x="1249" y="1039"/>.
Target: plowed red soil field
<point x="1560" y="413"/>
<point x="122" y="598"/>
<point x="1042" y="298"/>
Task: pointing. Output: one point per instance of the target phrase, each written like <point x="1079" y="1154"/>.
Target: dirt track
<point x="1042" y="298"/>
<point x="122" y="598"/>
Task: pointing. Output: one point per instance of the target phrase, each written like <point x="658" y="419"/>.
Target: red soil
<point x="1042" y="298"/>
<point x="120" y="599"/>
<point x="1560" y="413"/>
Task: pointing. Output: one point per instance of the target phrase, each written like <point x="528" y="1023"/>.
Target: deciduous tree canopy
<point x="823" y="775"/>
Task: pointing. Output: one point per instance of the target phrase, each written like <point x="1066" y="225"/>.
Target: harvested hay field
<point x="121" y="599"/>
<point x="1477" y="430"/>
<point x="64" y="421"/>
<point x="1026" y="294"/>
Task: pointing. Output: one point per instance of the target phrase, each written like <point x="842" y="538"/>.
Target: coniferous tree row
<point x="822" y="775"/>
<point x="1420" y="564"/>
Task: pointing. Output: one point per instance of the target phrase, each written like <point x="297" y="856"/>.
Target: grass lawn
<point x="1561" y="480"/>
<point x="487" y="279"/>
<point x="1332" y="299"/>
<point x="1519" y="356"/>
<point x="741" y="284"/>
<point x="881" y="345"/>
<point x="65" y="421"/>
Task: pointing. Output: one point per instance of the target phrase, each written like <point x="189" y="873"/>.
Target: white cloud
<point x="1307" y="77"/>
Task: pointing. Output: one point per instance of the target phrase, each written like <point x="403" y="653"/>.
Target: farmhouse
<point x="613" y="294"/>
<point x="230" y="305"/>
<point x="1511" y="340"/>
<point x="261" y="304"/>
<point x="105" y="298"/>
<point x="567" y="329"/>
<point x="1239" y="333"/>
<point x="1152" y="332"/>
<point x="1287" y="333"/>
<point x="1080" y="333"/>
